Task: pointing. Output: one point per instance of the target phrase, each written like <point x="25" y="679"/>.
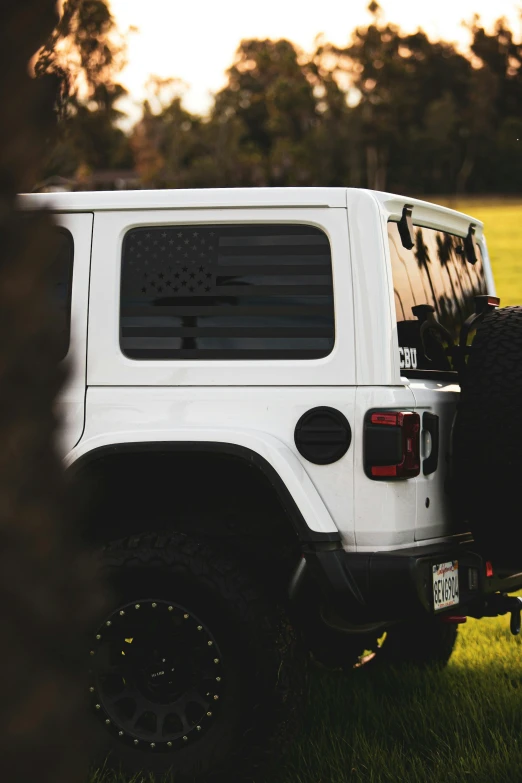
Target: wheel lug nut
<point x="185" y="739"/>
<point x="122" y="612"/>
<point x="153" y="744"/>
<point x="154" y="606"/>
<point x="120" y="734"/>
<point x="135" y="742"/>
<point x="170" y="610"/>
<point x="209" y="714"/>
<point x="185" y="617"/>
<point x="200" y="627"/>
<point x="98" y="706"/>
<point x="107" y="721"/>
<point x="136" y="606"/>
<point x="108" y="623"/>
<point x="216" y="697"/>
<point x="216" y="660"/>
<point x="169" y="744"/>
<point x="98" y="636"/>
<point x="218" y="679"/>
<point x="91" y="689"/>
<point x="198" y="728"/>
<point x="210" y="644"/>
<point x="92" y="652"/>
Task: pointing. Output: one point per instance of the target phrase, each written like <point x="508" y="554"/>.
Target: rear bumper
<point x="395" y="585"/>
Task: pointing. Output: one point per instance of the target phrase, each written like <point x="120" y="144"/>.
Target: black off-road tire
<point x="487" y="439"/>
<point x="180" y="607"/>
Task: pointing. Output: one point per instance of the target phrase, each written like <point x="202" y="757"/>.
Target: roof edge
<point x="204" y="198"/>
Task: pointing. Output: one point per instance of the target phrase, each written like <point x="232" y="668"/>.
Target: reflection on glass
<point x="434" y="272"/>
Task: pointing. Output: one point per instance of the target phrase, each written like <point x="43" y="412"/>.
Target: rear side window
<point x="226" y="292"/>
<point x="435" y="272"/>
<point x="61" y="287"/>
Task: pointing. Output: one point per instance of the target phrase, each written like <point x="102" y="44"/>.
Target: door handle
<point x="430" y="423"/>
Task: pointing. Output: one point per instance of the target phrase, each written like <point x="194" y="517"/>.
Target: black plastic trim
<point x="395" y="585"/>
<point x="431" y="375"/>
<point x="68" y="308"/>
<point x="469" y="244"/>
<point x="298" y="522"/>
<point x="430" y="422"/>
<point x="406" y="228"/>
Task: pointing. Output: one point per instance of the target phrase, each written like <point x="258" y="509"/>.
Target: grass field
<point x="503" y="229"/>
<point x="463" y="723"/>
<point x="460" y="724"/>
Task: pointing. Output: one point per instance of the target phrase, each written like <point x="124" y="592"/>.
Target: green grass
<point x="463" y="723"/>
<point x="503" y="230"/>
<point x="460" y="724"/>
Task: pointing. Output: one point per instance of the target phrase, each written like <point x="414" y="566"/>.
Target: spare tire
<point x="487" y="438"/>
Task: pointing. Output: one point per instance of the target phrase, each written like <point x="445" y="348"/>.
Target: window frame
<point x="248" y="355"/>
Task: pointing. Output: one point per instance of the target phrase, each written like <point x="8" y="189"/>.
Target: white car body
<point x="111" y="399"/>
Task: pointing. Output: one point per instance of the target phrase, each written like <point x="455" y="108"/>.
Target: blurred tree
<point x="270" y="94"/>
<point x="388" y="110"/>
<point x="281" y="119"/>
<point x="412" y="100"/>
<point x="86" y="52"/>
<point x="168" y="139"/>
<point x="47" y="589"/>
<point x="501" y="60"/>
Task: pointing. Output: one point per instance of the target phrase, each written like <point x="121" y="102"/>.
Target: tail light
<point x="391" y="445"/>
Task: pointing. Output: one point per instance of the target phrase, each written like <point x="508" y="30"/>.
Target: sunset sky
<point x="195" y="41"/>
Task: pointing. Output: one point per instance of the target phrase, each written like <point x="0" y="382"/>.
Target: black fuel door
<point x="323" y="435"/>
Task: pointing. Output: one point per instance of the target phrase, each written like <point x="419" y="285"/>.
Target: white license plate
<point x="445" y="585"/>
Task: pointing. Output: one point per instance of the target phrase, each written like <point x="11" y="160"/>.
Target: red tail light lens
<point x="392" y="445"/>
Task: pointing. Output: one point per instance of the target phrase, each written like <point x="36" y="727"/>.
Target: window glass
<point x="61" y="287"/>
<point x="435" y="272"/>
<point x="226" y="292"/>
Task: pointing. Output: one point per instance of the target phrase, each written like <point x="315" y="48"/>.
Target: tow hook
<point x="500" y="603"/>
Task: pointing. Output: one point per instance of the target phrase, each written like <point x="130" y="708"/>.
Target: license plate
<point x="445" y="585"/>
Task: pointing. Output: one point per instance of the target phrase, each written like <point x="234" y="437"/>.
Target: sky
<point x="195" y="40"/>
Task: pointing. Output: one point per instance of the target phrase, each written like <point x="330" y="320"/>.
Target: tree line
<point x="390" y="110"/>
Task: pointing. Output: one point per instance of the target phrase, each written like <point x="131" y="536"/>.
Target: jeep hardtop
<point x="261" y="401"/>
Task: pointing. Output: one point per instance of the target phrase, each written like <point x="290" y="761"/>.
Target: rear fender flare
<point x="307" y="511"/>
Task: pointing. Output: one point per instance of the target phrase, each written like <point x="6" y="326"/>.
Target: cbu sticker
<point x="408" y="358"/>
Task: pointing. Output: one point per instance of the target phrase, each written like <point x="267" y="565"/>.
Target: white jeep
<point x="262" y="390"/>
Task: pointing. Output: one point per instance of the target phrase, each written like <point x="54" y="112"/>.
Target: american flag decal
<point x="232" y="292"/>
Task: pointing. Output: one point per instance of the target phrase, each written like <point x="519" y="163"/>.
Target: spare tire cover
<point x="487" y="437"/>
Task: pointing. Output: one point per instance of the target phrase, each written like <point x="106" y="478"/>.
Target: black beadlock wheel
<point x="193" y="671"/>
<point x="487" y="435"/>
<point x="157" y="674"/>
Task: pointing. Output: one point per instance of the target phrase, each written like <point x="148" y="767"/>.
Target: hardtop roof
<point x="186" y="199"/>
<point x="236" y="198"/>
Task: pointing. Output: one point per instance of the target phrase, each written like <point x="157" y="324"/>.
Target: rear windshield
<point x="434" y="272"/>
